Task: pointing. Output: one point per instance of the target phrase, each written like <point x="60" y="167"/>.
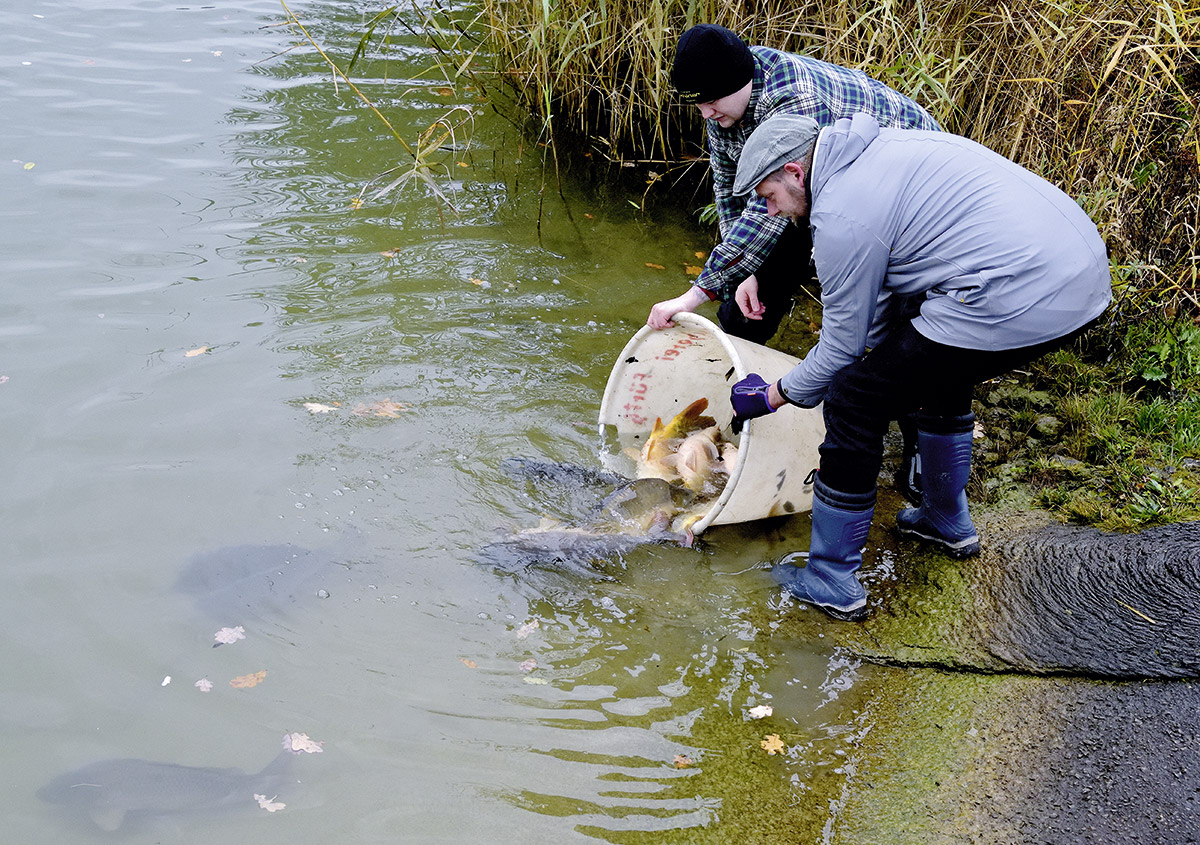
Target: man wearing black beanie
<point x="761" y="261"/>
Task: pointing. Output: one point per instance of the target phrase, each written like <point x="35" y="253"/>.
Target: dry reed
<point x="1099" y="96"/>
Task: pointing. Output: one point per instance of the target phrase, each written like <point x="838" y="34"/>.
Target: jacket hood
<point x="839" y="145"/>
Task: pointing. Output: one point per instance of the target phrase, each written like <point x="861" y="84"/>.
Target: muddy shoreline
<point x="1064" y="715"/>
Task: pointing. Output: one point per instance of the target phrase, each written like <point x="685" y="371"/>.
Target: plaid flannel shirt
<point x="790" y="84"/>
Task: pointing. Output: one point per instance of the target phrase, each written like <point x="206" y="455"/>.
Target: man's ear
<point x="793" y="168"/>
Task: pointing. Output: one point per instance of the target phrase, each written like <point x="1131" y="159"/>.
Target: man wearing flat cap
<point x="1006" y="268"/>
<point x="760" y="263"/>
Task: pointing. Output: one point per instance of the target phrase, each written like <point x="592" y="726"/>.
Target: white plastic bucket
<point x="659" y="373"/>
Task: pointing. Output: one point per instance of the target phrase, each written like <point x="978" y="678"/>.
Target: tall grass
<point x="1099" y="96"/>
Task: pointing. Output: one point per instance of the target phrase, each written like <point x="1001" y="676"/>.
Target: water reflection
<point x="205" y="282"/>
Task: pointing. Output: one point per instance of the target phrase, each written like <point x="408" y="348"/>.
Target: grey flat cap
<point x="777" y="140"/>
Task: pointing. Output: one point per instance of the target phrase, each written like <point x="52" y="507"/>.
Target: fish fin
<point x="107" y="818"/>
<point x="690" y="419"/>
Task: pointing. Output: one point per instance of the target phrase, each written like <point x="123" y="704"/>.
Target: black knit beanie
<point x="710" y="63"/>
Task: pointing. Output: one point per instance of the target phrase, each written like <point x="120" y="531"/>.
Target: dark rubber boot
<point x="943" y="517"/>
<point x="840" y="522"/>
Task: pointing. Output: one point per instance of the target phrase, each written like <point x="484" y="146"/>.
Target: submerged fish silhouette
<point x="261" y="580"/>
<point x="113" y="792"/>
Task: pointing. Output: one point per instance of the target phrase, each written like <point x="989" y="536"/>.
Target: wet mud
<point x="1043" y="692"/>
<point x="1048" y="599"/>
<point x="955" y="757"/>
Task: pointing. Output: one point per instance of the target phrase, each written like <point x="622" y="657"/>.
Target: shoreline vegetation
<point x="1098" y="96"/>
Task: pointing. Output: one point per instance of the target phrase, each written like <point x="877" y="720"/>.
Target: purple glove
<point x="749" y="400"/>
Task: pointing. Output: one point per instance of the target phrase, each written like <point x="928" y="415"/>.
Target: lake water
<point x="206" y="343"/>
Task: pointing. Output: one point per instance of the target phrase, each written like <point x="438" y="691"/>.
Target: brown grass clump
<point x="1098" y="96"/>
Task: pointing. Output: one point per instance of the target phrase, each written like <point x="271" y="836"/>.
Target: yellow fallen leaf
<point x="682" y="761"/>
<point x="475" y="281"/>
<point x="29" y="165"/>
<point x="700" y="254"/>
<point x="462" y="164"/>
<point x="192" y="353"/>
<point x="692" y="269"/>
<point x="654" y="266"/>
<point x="247" y="681"/>
<point x="388" y="253"/>
<point x="772" y="744"/>
<point x="468" y="662"/>
<point x="357" y="202"/>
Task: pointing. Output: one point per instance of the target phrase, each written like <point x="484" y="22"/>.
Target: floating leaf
<point x="528" y="665"/>
<point x="462" y="164"/>
<point x="382" y="408"/>
<point x="226" y="636"/>
<point x="318" y="408"/>
<point x="529" y="679"/>
<point x="654" y="266"/>
<point x="192" y="353"/>
<point x="389" y="253"/>
<point x="356" y="203"/>
<point x="468" y="662"/>
<point x="166" y="680"/>
<point x="300" y="743"/>
<point x="269" y="804"/>
<point x="444" y="91"/>
<point x="762" y="711"/>
<point x="682" y="761"/>
<point x="247" y="681"/>
<point x="772" y="744"/>
<point x="527" y="629"/>
<point x="480" y="282"/>
<point x="29" y="165"/>
<point x="204" y="685"/>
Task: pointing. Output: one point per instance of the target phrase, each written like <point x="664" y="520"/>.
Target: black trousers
<point x="907" y="372"/>
<point x="787" y="268"/>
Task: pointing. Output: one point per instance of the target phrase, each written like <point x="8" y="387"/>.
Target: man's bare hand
<point x="746" y="298"/>
<point x="662" y="313"/>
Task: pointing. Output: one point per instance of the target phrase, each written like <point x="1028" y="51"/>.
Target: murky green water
<point x="183" y="271"/>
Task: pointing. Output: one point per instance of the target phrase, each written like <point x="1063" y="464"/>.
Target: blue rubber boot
<point x="840" y="522"/>
<point x="942" y="517"/>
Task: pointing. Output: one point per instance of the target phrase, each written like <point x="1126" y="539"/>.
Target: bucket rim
<point x="688" y="320"/>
